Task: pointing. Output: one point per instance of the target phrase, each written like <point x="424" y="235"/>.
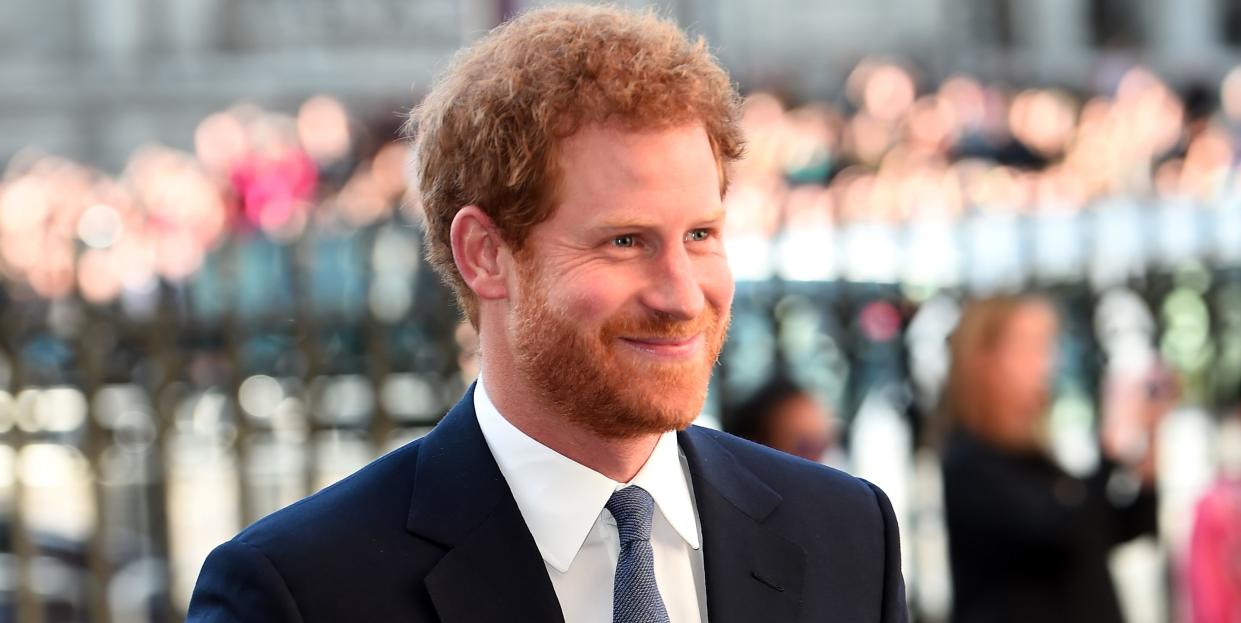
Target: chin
<point x="677" y="409"/>
<point x="639" y="411"/>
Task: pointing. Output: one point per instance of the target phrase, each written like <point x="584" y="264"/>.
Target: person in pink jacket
<point x="1214" y="569"/>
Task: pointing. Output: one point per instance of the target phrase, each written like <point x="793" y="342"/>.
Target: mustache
<point x="664" y="326"/>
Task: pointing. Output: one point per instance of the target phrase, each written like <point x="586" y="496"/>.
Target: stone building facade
<point x="94" y="79"/>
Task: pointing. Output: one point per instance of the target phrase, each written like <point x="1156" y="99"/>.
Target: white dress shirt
<point x="562" y="504"/>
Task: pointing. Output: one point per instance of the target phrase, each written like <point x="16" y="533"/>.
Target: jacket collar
<point x="462" y="502"/>
<point x="753" y="573"/>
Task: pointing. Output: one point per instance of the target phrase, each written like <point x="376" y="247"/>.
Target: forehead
<point x="607" y="165"/>
<point x="1035" y="316"/>
<point x="616" y="139"/>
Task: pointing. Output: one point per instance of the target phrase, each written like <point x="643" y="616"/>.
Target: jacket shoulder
<point x="309" y="561"/>
<point x="373" y="500"/>
<point x="794" y="477"/>
<point x="845" y="525"/>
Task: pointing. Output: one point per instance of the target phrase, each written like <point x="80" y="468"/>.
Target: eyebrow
<point x="623" y="223"/>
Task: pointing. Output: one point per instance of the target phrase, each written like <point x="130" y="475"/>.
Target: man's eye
<point x="698" y="235"/>
<point x="624" y="242"/>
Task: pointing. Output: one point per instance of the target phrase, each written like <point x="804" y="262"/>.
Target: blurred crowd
<point x="66" y="228"/>
<point x="888" y="242"/>
<point x="891" y="150"/>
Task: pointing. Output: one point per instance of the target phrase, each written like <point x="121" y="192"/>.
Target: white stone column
<point x="1055" y="27"/>
<point x="113" y="31"/>
<point x="1055" y="36"/>
<point x="1184" y="31"/>
<point x="478" y="17"/>
<point x="192" y="25"/>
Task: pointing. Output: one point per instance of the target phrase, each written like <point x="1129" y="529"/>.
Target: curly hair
<point x="487" y="133"/>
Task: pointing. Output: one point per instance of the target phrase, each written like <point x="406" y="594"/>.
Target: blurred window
<point x="1230" y="21"/>
<point x="993" y="22"/>
<point x="1115" y="24"/>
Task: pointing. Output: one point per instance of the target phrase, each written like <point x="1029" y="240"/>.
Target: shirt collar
<point x="561" y="499"/>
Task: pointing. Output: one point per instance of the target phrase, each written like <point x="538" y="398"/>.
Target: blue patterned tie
<point x="635" y="596"/>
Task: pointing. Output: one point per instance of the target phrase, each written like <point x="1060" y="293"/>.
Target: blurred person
<point x="571" y="167"/>
<point x="1214" y="564"/>
<point x="1028" y="541"/>
<point x="275" y="180"/>
<point x="784" y="416"/>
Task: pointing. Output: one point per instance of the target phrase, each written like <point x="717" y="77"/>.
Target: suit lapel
<point x="493" y="570"/>
<point x="753" y="574"/>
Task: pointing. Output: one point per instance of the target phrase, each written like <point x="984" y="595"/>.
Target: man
<point x="572" y="165"/>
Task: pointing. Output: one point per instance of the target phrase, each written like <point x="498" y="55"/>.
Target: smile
<point x="665" y="347"/>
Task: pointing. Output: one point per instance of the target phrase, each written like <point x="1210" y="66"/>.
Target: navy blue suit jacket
<point x="430" y="532"/>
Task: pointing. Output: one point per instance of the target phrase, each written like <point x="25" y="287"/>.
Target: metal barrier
<point x="136" y="437"/>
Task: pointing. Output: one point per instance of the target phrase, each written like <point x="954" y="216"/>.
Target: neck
<point x="617" y="458"/>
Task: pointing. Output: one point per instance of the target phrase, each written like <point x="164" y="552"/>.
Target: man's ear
<point x="477" y="248"/>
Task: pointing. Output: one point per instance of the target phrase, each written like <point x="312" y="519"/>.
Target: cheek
<point x="716" y="280"/>
<point x="807" y="423"/>
<point x="1014" y="375"/>
<point x="1035" y="368"/>
<point x="593" y="299"/>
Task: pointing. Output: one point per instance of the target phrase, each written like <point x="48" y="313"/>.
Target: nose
<point x="674" y="286"/>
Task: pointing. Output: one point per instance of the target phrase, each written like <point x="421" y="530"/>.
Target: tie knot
<point x="633" y="509"/>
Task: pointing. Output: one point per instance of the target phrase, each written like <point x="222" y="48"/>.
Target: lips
<point x="665" y="347"/>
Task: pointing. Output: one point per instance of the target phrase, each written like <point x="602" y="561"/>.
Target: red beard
<point x="587" y="378"/>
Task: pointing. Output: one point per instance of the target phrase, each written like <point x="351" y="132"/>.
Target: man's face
<point x="623" y="295"/>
